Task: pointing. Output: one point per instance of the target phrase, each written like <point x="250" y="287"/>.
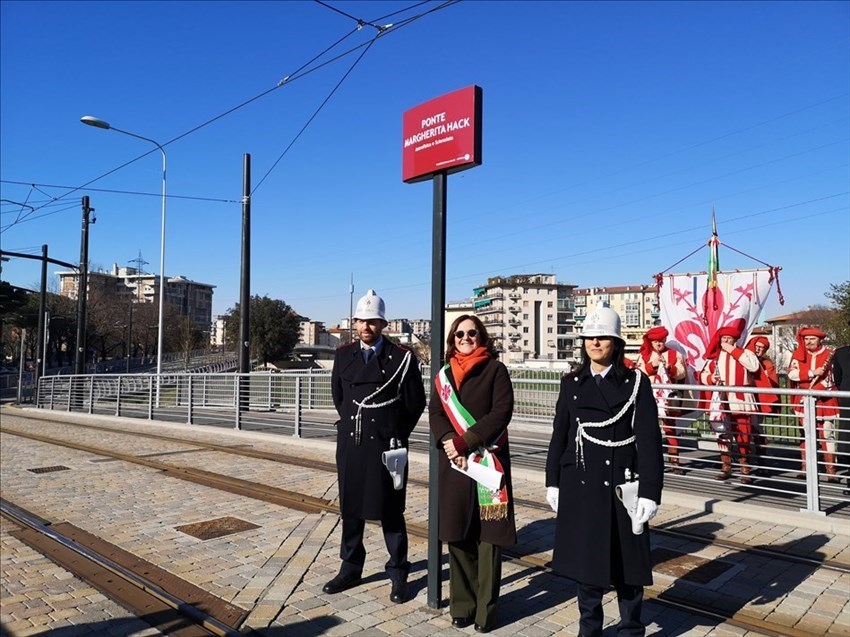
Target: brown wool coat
<point x="487" y="394"/>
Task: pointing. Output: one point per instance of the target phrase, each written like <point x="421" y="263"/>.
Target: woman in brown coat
<point x="471" y="405"/>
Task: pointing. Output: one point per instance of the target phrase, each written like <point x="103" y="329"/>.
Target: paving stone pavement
<point x="276" y="571"/>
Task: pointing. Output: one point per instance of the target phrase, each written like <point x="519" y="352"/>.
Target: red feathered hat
<point x="733" y="329"/>
<point x="800" y="353"/>
<point x="751" y="344"/>
<point x="658" y="333"/>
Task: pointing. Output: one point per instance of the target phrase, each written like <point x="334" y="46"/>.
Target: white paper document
<point x="486" y="476"/>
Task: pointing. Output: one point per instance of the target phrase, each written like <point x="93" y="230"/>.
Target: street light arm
<point x="147" y="139"/>
<point x="96" y="122"/>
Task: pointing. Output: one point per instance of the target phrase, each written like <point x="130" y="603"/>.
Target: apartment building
<point x="309" y="332"/>
<point x="188" y="297"/>
<point x="637" y="306"/>
<point x="218" y="332"/>
<point x="529" y="316"/>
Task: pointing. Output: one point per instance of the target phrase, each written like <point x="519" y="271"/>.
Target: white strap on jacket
<point x="405" y="364"/>
<point x="582" y="435"/>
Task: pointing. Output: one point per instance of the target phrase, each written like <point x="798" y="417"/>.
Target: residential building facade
<point x="529" y="317"/>
<point x="637" y="306"/>
<point x="188" y="297"/>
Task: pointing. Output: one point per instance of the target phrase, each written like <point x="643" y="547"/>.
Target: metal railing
<point x="792" y="452"/>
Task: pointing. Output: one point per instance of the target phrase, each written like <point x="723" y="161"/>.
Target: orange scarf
<point x="462" y="364"/>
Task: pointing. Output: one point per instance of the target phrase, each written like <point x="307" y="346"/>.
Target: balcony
<point x="514" y="296"/>
<point x="514" y="322"/>
<point x="514" y="336"/>
<point x="514" y="308"/>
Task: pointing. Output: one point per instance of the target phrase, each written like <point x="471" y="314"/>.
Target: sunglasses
<point x="470" y="333"/>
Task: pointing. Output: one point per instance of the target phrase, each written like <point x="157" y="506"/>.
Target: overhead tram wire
<point x="477" y="275"/>
<point x="32" y="217"/>
<point x="646" y="162"/>
<point x="314" y="115"/>
<point x="128" y="192"/>
<point x="381" y="31"/>
<point x="669" y="191"/>
<point x="360" y="23"/>
<point x="298" y="74"/>
<point x="521" y="266"/>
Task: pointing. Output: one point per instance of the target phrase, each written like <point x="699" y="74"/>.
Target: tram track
<point x="309" y="504"/>
<point x="330" y="467"/>
<point x="150" y="593"/>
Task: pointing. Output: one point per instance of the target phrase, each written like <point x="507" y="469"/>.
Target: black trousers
<point x="353" y="553"/>
<point x="629" y="599"/>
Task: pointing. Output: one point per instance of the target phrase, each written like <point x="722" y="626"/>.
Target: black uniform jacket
<point x="365" y="486"/>
<point x="594" y="543"/>
<point x="487" y="394"/>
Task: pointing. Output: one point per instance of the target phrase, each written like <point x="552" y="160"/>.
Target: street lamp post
<point x="99" y="123"/>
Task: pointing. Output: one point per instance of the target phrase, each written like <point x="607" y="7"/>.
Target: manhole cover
<point x="49" y="469"/>
<point x="219" y="527"/>
<point x="688" y="567"/>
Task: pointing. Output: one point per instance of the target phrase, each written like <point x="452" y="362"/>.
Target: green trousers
<point x="475" y="572"/>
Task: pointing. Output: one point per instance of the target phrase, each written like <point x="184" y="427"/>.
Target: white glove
<point x="646" y="510"/>
<point x="552" y="497"/>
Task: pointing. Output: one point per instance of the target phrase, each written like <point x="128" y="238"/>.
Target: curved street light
<point x="96" y="122"/>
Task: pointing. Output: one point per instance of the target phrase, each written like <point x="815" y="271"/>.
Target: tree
<point x="18" y="309"/>
<point x="190" y="338"/>
<point x="12" y="298"/>
<point x="273" y="329"/>
<point x="839" y="324"/>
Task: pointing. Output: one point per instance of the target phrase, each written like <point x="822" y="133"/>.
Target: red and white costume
<point x="664" y="368"/>
<point x="735" y="368"/>
<point x="765" y="378"/>
<point x="802" y="375"/>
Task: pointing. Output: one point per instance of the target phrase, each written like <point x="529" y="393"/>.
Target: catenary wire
<point x="313" y="116"/>
<point x="298" y="74"/>
<point x="128" y="192"/>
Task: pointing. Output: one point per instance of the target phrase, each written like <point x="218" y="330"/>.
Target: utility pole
<point x="41" y="342"/>
<point x="82" y="290"/>
<point x="245" y="288"/>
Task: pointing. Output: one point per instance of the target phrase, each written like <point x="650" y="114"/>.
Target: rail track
<point x="330" y="467"/>
<point x="309" y="504"/>
<point x="162" y="600"/>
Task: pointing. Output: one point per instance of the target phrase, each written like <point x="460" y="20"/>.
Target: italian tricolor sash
<point x="493" y="504"/>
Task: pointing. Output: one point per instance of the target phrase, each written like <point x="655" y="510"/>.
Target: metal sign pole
<point x="438" y="305"/>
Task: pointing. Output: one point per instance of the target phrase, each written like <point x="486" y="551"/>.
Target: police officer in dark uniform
<point x="378" y="392"/>
<point x="606" y="423"/>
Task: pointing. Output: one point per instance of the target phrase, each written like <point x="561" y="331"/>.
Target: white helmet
<point x="370" y="306"/>
<point x="602" y="321"/>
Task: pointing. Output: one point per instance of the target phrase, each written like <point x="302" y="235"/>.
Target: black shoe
<point x="398" y="595"/>
<point x="481" y="629"/>
<point x="341" y="583"/>
<point x="461" y="622"/>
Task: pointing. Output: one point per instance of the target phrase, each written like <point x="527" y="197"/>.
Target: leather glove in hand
<point x="552" y="497"/>
<point x="646" y="510"/>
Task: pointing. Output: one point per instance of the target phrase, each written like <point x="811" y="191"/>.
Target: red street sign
<point x="442" y="135"/>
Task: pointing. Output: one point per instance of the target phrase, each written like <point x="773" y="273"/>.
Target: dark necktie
<point x="598" y="379"/>
<point x="368" y="354"/>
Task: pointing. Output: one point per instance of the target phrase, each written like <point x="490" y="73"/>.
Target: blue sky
<point x="610" y="131"/>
